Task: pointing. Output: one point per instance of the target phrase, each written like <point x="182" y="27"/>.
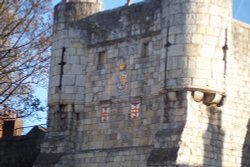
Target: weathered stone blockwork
<point x="158" y="83"/>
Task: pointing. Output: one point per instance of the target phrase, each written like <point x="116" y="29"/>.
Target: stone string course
<point x="185" y="62"/>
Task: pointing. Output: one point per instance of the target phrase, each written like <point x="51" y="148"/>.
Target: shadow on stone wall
<point x="20" y="151"/>
<point x="166" y="142"/>
<point x="245" y="162"/>
<point x="213" y="138"/>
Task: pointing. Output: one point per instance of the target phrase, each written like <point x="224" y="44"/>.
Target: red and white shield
<point x="105" y="114"/>
<point x="134" y="110"/>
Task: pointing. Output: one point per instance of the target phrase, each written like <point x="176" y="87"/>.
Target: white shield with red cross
<point x="134" y="110"/>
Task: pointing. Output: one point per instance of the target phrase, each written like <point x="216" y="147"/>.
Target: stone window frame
<point x="145" y="47"/>
<point x="145" y="50"/>
<point x="101" y="59"/>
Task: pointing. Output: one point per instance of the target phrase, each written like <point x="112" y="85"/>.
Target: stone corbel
<point x="208" y="98"/>
<point x="203" y="95"/>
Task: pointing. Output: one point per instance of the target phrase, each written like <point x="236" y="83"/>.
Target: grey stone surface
<point x="159" y="54"/>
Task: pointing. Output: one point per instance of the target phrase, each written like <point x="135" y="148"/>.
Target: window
<point x="8" y="128"/>
<point x="77" y="116"/>
<point x="101" y="58"/>
<point x="62" y="107"/>
<point x="145" y="49"/>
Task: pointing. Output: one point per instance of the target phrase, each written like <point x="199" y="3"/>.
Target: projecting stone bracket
<point x="201" y="95"/>
<point x="208" y="98"/>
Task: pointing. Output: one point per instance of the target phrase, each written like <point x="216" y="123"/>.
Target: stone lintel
<point x="136" y="99"/>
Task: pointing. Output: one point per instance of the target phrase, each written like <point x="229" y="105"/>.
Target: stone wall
<point x="159" y="83"/>
<point x="237" y="113"/>
<point x="218" y="134"/>
<point x="88" y="87"/>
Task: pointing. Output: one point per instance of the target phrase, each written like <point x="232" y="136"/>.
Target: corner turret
<point x="68" y="65"/>
<point x="68" y="11"/>
<point x="198" y="36"/>
<point x="68" y="49"/>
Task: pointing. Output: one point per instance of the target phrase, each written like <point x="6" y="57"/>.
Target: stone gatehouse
<point x="157" y="83"/>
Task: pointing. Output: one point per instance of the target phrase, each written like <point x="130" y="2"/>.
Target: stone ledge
<point x="192" y="88"/>
<point x="113" y="149"/>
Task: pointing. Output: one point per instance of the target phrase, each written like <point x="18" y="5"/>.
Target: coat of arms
<point x="122" y="84"/>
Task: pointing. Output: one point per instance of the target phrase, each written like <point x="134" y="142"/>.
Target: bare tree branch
<point x="25" y="31"/>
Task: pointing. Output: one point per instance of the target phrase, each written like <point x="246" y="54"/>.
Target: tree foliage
<point x="25" y="29"/>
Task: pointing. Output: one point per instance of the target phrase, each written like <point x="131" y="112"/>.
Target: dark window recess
<point x="101" y="58"/>
<point x="145" y="49"/>
<point x="8" y="128"/>
<point x="61" y="107"/>
<point x="77" y="116"/>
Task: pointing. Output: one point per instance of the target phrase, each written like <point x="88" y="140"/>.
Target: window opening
<point x="145" y="49"/>
<point x="101" y="58"/>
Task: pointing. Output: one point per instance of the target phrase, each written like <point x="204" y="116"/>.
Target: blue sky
<point x="241" y="11"/>
<point x="241" y="8"/>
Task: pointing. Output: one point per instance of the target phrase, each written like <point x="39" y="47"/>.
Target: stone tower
<point x="198" y="32"/>
<point x="67" y="73"/>
<point x="148" y="84"/>
<point x="198" y="37"/>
